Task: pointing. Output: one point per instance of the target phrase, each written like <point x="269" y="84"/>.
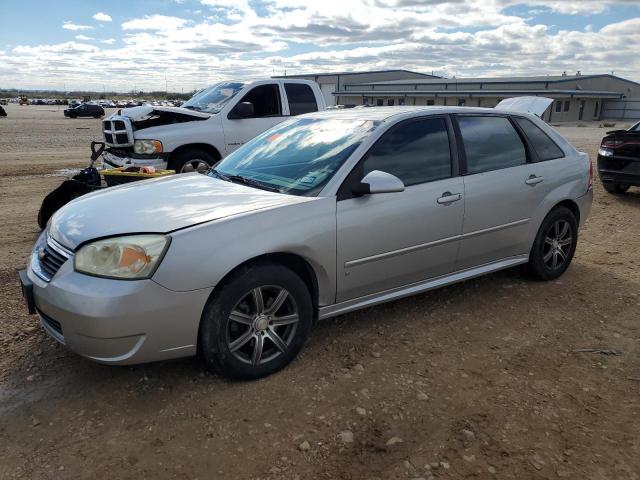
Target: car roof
<point x="386" y="113"/>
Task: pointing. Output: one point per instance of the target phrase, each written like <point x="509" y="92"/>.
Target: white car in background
<point x="208" y="127"/>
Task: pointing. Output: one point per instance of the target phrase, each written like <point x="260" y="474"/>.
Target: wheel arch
<point x="571" y="205"/>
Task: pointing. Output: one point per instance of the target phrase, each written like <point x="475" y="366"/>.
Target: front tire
<point x="256" y="322"/>
<point x="615" y="188"/>
<point x="193" y="161"/>
<point x="554" y="245"/>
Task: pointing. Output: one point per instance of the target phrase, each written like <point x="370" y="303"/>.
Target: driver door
<point x="390" y="240"/>
<point x="267" y="103"/>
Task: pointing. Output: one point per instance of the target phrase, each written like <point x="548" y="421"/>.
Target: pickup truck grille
<point x="118" y="131"/>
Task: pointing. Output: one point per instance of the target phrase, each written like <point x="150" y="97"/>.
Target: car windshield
<point x="212" y="99"/>
<point x="296" y="157"/>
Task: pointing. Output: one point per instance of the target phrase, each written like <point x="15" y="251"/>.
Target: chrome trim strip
<point x="62" y="250"/>
<point x="495" y="229"/>
<point x="435" y="243"/>
<point x="402" y="251"/>
<point x="418" y="287"/>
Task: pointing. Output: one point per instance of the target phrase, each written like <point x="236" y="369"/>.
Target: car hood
<point x="144" y="112"/>
<point x="158" y="206"/>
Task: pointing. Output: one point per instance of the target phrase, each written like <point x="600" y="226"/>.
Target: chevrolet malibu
<point x="321" y="215"/>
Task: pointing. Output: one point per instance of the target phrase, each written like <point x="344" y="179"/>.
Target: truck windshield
<point x="212" y="99"/>
<point x="297" y="157"/>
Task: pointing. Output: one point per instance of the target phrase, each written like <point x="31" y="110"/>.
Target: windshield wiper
<point x="193" y="107"/>
<point x="220" y="175"/>
<point x="250" y="182"/>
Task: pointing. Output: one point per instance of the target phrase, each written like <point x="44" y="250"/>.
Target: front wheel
<point x="554" y="245"/>
<point x="615" y="188"/>
<point x="193" y="161"/>
<point x="256" y="322"/>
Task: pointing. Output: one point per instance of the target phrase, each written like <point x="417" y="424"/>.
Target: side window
<point x="558" y="106"/>
<point x="265" y="99"/>
<point x="415" y="152"/>
<point x="542" y="144"/>
<point x="491" y="143"/>
<point x="301" y="98"/>
<point x="567" y="104"/>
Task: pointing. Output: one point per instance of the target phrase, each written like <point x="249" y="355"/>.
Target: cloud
<point x="68" y="25"/>
<point x="249" y="39"/>
<point x="102" y="17"/>
<point x="154" y="22"/>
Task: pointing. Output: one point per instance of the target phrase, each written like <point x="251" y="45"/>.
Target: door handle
<point x="534" y="180"/>
<point x="448" y="197"/>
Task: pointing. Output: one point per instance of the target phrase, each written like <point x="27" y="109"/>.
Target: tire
<point x="615" y="188"/>
<point x="193" y="161"/>
<point x="230" y="346"/>
<point x="554" y="245"/>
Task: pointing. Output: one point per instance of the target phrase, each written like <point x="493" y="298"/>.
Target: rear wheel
<point x="193" y="161"/>
<point x="257" y="322"/>
<point x="554" y="245"/>
<point x="615" y="188"/>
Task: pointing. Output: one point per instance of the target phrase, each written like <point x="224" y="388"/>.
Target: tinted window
<point x="301" y="98"/>
<point x="491" y="143"/>
<point x="265" y="100"/>
<point x="542" y="144"/>
<point x="415" y="152"/>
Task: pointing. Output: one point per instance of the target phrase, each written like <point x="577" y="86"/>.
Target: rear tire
<point x="615" y="188"/>
<point x="554" y="245"/>
<point x="256" y="322"/>
<point x="193" y="161"/>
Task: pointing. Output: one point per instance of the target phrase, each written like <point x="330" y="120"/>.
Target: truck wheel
<point x="615" y="188"/>
<point x="193" y="161"/>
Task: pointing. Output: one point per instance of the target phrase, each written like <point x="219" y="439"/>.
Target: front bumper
<point x="118" y="321"/>
<point x="109" y="160"/>
<point x="621" y="170"/>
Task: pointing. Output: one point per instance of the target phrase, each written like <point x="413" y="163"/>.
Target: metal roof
<point x="330" y="74"/>
<point x="532" y="79"/>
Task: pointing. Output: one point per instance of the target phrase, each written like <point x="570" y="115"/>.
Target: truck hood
<point x="158" y="206"/>
<point x="145" y="112"/>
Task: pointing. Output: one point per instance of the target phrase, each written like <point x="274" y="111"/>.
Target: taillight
<point x="611" y="143"/>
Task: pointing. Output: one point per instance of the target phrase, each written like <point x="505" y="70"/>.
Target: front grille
<point x="51" y="258"/>
<point x="50" y="322"/>
<point x="118" y="131"/>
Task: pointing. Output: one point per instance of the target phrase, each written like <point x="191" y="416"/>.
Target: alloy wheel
<point x="557" y="245"/>
<point x="195" y="165"/>
<point x="262" y="325"/>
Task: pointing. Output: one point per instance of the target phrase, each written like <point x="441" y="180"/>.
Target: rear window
<point x="542" y="144"/>
<point x="490" y="143"/>
<point x="301" y="98"/>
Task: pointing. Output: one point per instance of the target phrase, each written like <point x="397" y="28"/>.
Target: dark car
<point x="85" y="110"/>
<point x="619" y="159"/>
<point x="2" y="112"/>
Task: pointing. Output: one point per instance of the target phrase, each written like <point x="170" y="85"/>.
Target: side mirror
<point x="378" y="182"/>
<point x="243" y="110"/>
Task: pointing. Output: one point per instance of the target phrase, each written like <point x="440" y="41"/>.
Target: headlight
<point x="130" y="257"/>
<point x="605" y="152"/>
<point x="147" y="146"/>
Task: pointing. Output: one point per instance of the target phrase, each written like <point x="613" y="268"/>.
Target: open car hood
<point x="146" y="112"/>
<point x="535" y="105"/>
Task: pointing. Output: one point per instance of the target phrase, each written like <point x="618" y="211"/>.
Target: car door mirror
<point x="378" y="182"/>
<point x="243" y="110"/>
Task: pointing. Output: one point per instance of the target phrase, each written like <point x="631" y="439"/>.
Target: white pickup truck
<point x="209" y="126"/>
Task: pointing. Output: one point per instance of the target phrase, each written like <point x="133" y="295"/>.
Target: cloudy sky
<point x="186" y="44"/>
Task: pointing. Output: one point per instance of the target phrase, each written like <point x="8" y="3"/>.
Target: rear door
<point x="503" y="188"/>
<point x="300" y="98"/>
<point x="393" y="239"/>
<point x="268" y="111"/>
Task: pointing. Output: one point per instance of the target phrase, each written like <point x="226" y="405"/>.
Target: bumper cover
<point x="623" y="170"/>
<point x="109" y="160"/>
<point x="118" y="321"/>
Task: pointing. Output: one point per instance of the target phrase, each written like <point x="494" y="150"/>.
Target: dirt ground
<point x="477" y="380"/>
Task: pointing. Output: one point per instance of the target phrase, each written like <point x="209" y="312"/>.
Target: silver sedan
<point x="321" y="215"/>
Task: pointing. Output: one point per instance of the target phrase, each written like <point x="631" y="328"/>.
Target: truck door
<point x="267" y="106"/>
